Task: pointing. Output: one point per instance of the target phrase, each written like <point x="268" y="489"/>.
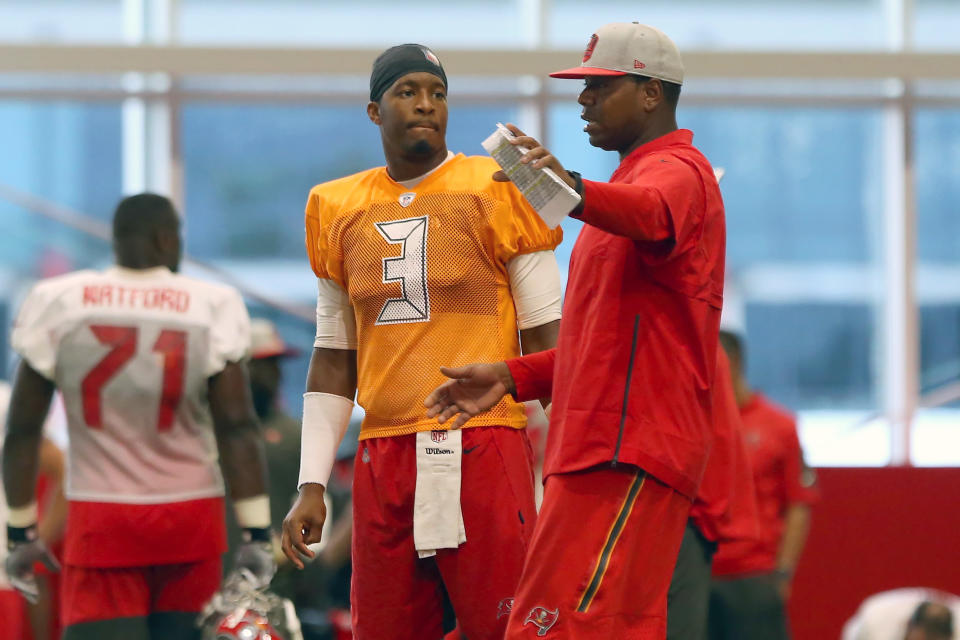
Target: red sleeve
<point x="800" y="480"/>
<point x="665" y="206"/>
<point x="533" y="375"/>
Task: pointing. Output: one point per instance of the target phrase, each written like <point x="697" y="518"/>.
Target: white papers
<point x="550" y="196"/>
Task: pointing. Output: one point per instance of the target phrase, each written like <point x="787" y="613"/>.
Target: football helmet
<point x="241" y="611"/>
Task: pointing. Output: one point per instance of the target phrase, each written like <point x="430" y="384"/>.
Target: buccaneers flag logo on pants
<point x="543" y="618"/>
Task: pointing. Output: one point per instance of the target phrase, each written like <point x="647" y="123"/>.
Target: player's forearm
<point x="327" y="407"/>
<point x="634" y="211"/>
<point x="333" y="371"/>
<point x="531" y="376"/>
<point x="243" y="460"/>
<point x="796" y="528"/>
<point x="239" y="440"/>
<point x="21" y="454"/>
<point x="29" y="403"/>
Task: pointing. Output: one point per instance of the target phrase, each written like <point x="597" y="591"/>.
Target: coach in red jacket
<point x="631" y="376"/>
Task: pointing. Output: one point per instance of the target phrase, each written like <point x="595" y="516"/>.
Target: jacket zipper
<point x="626" y="388"/>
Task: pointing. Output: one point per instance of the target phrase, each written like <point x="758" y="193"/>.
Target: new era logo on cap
<point x="621" y="48"/>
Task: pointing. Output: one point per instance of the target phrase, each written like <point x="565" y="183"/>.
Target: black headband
<point x="396" y="62"/>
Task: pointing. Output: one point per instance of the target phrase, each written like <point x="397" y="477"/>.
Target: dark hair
<point x="671" y="90"/>
<point x="733" y="345"/>
<point x="934" y="619"/>
<point x="140" y="214"/>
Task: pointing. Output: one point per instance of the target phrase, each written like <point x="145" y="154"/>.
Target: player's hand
<point x="473" y="389"/>
<point x="256" y="558"/>
<point x="538" y="155"/>
<point x="304" y="523"/>
<point x="21" y="558"/>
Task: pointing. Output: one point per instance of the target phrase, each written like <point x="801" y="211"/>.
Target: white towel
<point x="437" y="518"/>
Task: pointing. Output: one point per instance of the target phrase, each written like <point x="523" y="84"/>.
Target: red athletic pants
<point x="397" y="596"/>
<point x="601" y="558"/>
<point x="91" y="595"/>
<point x="13" y="615"/>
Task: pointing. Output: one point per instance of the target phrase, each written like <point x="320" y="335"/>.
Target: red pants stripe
<point x="601" y="558"/>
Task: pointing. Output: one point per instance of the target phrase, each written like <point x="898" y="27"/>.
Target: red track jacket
<point x="631" y="375"/>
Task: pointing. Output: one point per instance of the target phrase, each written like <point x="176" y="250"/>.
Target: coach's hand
<point x="304" y="524"/>
<point x="21" y="557"/>
<point x="474" y="388"/>
<point x="538" y="155"/>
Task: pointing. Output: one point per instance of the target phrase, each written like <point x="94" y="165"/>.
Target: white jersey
<point x="131" y="351"/>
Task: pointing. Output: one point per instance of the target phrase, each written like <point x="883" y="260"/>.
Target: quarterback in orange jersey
<point x="423" y="263"/>
<point x="149" y="364"/>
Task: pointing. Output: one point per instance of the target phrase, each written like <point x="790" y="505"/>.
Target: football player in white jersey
<point x="150" y="366"/>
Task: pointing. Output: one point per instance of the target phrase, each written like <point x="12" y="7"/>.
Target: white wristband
<point x="326" y="417"/>
<point x="23" y="517"/>
<point x="253" y="513"/>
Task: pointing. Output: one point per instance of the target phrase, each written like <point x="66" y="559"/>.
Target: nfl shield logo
<point x="438" y="436"/>
<point x="406" y="199"/>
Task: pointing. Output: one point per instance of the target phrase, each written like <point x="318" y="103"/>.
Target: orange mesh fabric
<point x="427" y="281"/>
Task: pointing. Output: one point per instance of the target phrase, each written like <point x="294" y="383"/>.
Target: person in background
<point x="315" y="590"/>
<point x="40" y="617"/>
<point x="905" y="614"/>
<point x="150" y="364"/>
<point x="281" y="431"/>
<point x="752" y="577"/>
<point x="724" y="511"/>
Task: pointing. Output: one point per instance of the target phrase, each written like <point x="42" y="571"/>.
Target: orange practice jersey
<point x="425" y="270"/>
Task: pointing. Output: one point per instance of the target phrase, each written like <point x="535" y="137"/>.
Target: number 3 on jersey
<point x="172" y="345"/>
<point x="409" y="269"/>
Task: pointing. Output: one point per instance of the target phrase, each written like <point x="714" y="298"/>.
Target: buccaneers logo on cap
<point x="542" y="618"/>
<point x="590" y="46"/>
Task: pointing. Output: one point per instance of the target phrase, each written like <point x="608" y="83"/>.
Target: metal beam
<point x="184" y="60"/>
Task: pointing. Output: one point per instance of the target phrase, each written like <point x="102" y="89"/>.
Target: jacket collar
<point x="680" y="137"/>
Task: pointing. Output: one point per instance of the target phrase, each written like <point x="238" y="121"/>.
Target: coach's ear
<point x="373" y="112"/>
